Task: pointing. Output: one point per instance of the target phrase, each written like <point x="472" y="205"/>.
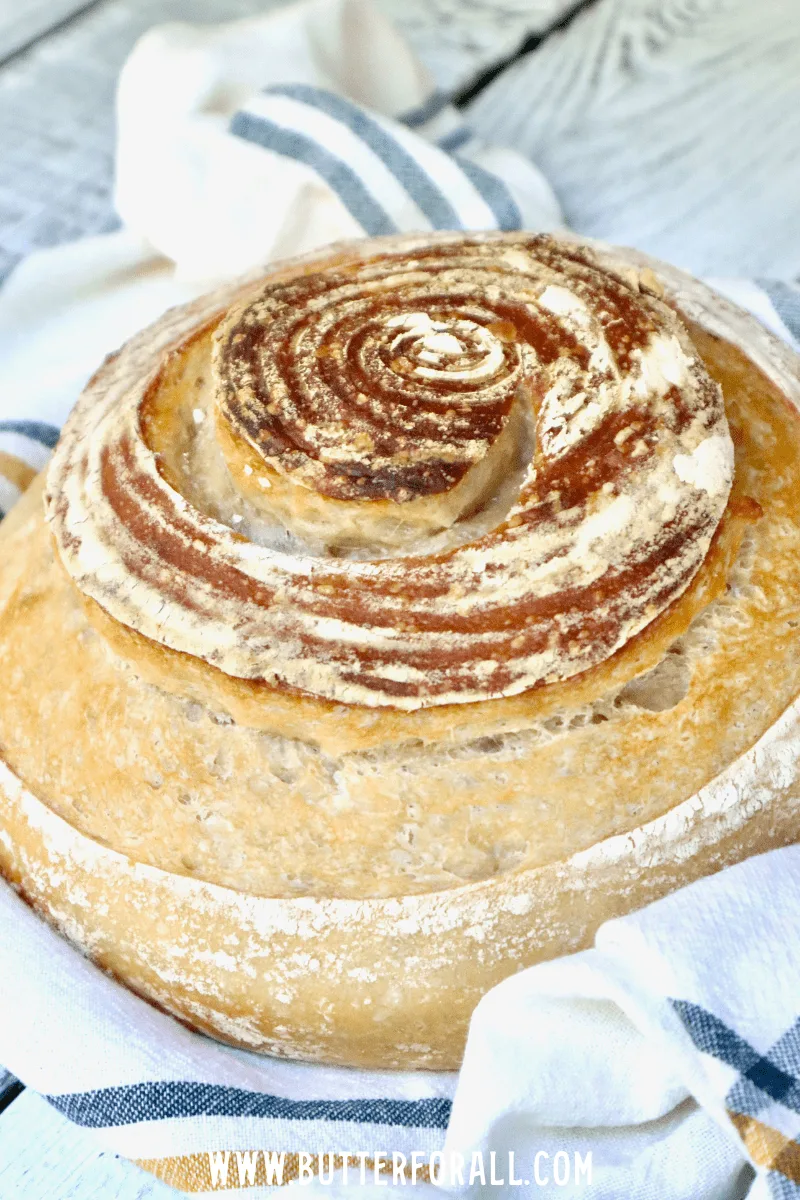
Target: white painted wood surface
<point x="23" y="20"/>
<point x="457" y="39"/>
<point x="671" y="125"/>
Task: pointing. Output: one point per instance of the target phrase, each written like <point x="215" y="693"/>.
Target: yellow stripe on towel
<point x="768" y="1147"/>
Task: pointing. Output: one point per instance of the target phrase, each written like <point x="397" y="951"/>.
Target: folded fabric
<point x="274" y="135"/>
<point x="663" y="1063"/>
<point x="697" y="996"/>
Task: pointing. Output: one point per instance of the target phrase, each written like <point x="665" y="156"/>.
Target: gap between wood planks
<point x="462" y="96"/>
<point x="38" y="25"/>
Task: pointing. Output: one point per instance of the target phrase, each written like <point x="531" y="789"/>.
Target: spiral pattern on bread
<point x="446" y="471"/>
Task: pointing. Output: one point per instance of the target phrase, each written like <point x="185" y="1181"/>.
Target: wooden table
<point x="672" y="126"/>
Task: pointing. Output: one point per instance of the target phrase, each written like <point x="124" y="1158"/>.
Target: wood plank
<point x="458" y="40"/>
<point x="45" y="1157"/>
<point x="673" y="127"/>
<point x="57" y="119"/>
<point x="22" y="21"/>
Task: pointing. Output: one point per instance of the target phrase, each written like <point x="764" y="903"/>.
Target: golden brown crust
<point x="338" y="883"/>
<point x="605" y="526"/>
<point x="375" y="984"/>
<point x="242" y="785"/>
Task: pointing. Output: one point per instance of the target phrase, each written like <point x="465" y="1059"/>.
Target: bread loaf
<point x="387" y="621"/>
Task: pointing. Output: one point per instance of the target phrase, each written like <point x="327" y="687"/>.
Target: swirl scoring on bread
<point x="334" y="384"/>
<point x="390" y="388"/>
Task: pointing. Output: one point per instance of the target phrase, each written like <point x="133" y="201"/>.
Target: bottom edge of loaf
<point x="381" y="983"/>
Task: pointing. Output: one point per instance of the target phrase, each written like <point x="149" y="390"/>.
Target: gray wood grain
<point x="457" y="39"/>
<point x="668" y="125"/>
<point x="57" y="120"/>
<point x="672" y="126"/>
<point x="21" y="21"/>
<point x="44" y="1157"/>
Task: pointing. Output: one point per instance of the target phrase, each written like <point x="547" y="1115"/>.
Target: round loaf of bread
<point x="387" y="621"/>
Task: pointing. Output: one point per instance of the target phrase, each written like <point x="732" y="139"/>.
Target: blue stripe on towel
<point x="712" y="1036"/>
<point x="342" y="179"/>
<point x="405" y="168"/>
<point x="746" y="1096"/>
<point x="455" y="139"/>
<point x="37" y="431"/>
<point x="426" y="111"/>
<point x="159" y="1101"/>
<point x="495" y="193"/>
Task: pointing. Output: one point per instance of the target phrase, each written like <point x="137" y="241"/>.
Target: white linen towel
<point x="664" y="1063"/>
